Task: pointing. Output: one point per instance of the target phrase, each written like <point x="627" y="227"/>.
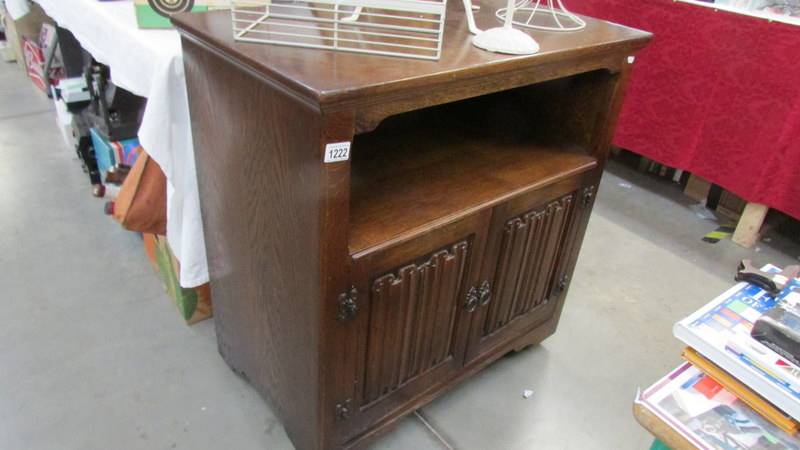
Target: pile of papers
<point x="734" y="393"/>
<point x="709" y="416"/>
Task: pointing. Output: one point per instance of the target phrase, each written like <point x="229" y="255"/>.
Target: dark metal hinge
<point x="485" y="293"/>
<point x="348" y="304"/>
<point x="478" y="296"/>
<point x="587" y="195"/>
<point x="472" y="299"/>
<point x="343" y="410"/>
<point x="561" y="285"/>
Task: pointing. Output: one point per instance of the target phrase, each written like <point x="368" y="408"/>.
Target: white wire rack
<point x="406" y="28"/>
<point x="547" y="15"/>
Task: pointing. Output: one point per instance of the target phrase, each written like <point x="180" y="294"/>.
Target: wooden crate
<point x="194" y="304"/>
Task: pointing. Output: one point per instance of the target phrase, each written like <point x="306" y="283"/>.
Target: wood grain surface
<point x="326" y="77"/>
<point x="261" y="221"/>
<point x="352" y="293"/>
<point x="660" y="430"/>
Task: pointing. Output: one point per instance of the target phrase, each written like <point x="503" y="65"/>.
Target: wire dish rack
<point x="406" y="28"/>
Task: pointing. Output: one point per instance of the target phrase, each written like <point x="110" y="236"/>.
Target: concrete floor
<point x="93" y="355"/>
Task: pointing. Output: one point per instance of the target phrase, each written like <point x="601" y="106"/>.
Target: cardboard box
<point x="26" y="27"/>
<point x="7" y="52"/>
<point x="193" y="304"/>
<point x="64" y="119"/>
<point x="74" y="91"/>
<point x="156" y="13"/>
<point x="36" y="51"/>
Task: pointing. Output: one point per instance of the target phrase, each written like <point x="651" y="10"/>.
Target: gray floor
<point x="93" y="356"/>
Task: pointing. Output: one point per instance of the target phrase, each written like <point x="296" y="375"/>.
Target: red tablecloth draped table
<point x="715" y="93"/>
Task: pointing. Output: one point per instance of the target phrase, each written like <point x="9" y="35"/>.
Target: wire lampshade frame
<point x="532" y="13"/>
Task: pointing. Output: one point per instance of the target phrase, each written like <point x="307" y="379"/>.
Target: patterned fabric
<point x="715" y="93"/>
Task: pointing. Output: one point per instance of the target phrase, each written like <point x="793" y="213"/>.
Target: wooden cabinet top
<point x="324" y="77"/>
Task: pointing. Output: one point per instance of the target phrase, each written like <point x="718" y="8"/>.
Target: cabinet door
<point x="410" y="329"/>
<point x="527" y="263"/>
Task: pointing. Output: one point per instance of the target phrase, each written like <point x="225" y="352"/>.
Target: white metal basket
<point x="407" y="28"/>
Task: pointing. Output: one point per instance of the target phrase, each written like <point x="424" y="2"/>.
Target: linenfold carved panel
<point x="527" y="262"/>
<point x="412" y="320"/>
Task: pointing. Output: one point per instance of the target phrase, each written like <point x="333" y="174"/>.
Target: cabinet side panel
<point x="258" y="170"/>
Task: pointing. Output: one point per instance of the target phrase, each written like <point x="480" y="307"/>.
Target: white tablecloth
<point x="17" y="8"/>
<point x="149" y="63"/>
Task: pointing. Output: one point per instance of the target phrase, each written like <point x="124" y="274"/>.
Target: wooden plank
<point x="660" y="429"/>
<point x="697" y="188"/>
<point x="730" y="205"/>
<point x="402" y="181"/>
<point x="749" y="228"/>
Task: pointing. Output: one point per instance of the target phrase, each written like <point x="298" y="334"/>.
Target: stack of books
<point x="733" y="392"/>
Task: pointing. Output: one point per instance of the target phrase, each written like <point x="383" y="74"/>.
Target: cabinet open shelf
<point x="435" y="166"/>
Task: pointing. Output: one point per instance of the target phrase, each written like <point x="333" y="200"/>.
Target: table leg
<point x="748" y="229"/>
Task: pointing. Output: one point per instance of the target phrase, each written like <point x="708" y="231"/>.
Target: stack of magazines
<point x="733" y="392"/>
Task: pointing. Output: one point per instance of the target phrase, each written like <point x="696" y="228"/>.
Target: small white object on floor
<point x="527" y="393"/>
<point x="702" y="212"/>
<point x="624" y="185"/>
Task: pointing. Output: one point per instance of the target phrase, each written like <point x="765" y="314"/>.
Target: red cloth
<point x="715" y="93"/>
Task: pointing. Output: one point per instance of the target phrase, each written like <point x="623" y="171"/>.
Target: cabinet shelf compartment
<point x="429" y="167"/>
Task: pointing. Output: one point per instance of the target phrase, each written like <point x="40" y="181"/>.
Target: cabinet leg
<point x="523" y="347"/>
<point x="748" y="229"/>
<point x="229" y="361"/>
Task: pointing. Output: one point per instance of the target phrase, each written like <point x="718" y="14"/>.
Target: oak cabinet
<point x="427" y="307"/>
<point x="351" y="291"/>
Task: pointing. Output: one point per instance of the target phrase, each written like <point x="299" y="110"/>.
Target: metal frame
<point x="554" y="8"/>
<point x="405" y="28"/>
